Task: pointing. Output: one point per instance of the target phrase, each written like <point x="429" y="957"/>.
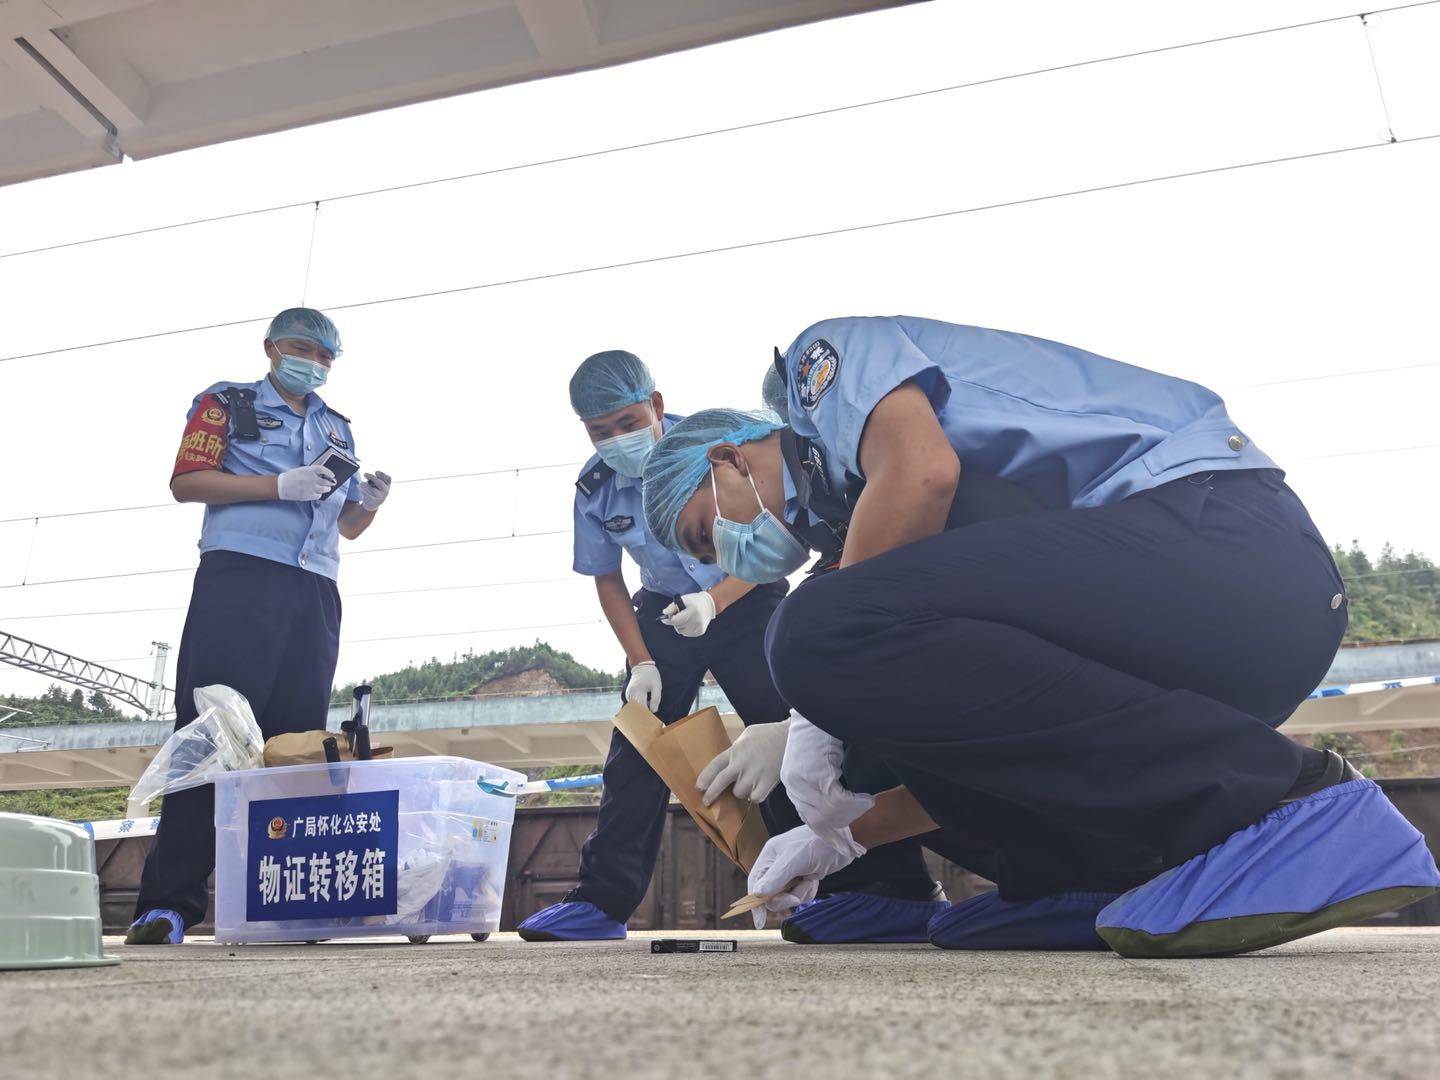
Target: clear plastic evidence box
<point x="409" y="846"/>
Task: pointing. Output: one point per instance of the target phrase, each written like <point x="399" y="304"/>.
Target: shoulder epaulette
<point x="591" y="480"/>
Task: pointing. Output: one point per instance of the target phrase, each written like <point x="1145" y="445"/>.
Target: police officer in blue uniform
<point x="1082" y="701"/>
<point x="686" y="619"/>
<point x="264" y="614"/>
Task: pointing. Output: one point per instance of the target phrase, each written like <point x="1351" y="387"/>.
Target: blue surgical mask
<point x="759" y="552"/>
<point x="300" y="376"/>
<point x="626" y="453"/>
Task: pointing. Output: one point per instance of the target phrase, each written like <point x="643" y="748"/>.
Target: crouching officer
<point x="1091" y="692"/>
<point x="275" y="467"/>
<point x="686" y="619"/>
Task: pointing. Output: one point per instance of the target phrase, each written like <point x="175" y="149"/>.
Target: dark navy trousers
<point x="1079" y="698"/>
<point x="618" y="858"/>
<point x="272" y="632"/>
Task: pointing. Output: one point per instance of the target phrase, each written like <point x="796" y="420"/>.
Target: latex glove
<point x="694" y="618"/>
<point x="643" y="686"/>
<point x="305" y="484"/>
<point x="791" y="865"/>
<point x="751" y="765"/>
<point x="810" y="772"/>
<point x="374" y="490"/>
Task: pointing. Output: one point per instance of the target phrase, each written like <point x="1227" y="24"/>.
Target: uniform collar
<point x="792" y="496"/>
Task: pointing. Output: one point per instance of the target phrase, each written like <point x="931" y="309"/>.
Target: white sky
<point x="1302" y="270"/>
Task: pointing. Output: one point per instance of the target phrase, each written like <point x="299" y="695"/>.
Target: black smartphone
<point x="343" y="468"/>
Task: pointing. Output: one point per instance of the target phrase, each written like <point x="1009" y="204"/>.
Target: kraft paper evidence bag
<point x="308" y="748"/>
<point x="678" y="752"/>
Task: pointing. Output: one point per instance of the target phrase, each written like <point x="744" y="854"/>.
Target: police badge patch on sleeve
<point x="619" y="523"/>
<point x="816" y="371"/>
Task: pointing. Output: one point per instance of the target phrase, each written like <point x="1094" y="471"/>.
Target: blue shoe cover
<point x="849" y="918"/>
<point x="1334" y="858"/>
<point x="1063" y="921"/>
<point x="159" y="926"/>
<point x="573" y="920"/>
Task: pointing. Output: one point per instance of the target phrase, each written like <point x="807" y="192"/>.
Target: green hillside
<point x="439" y="680"/>
<point x="1393" y="597"/>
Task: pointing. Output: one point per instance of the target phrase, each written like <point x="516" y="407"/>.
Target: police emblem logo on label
<point x="619" y="523"/>
<point x="339" y="443"/>
<point x="268" y="422"/>
<point x="277" y="828"/>
<point x="816" y="371"/>
<point x="215" y="415"/>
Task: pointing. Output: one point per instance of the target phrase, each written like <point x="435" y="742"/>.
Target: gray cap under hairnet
<point x="307" y="324"/>
<point x="678" y="464"/>
<point x="608" y="381"/>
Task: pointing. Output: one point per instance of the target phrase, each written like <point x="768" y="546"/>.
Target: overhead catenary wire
<point x="348" y="597"/>
<point x="504" y="471"/>
<point x="1375" y="67"/>
<point x="350" y="555"/>
<point x="516" y="469"/>
<point x="425" y="545"/>
<point x="752" y="245"/>
<point x="738" y="128"/>
<point x="409" y="637"/>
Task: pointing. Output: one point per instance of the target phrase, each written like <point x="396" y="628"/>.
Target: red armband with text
<point x="203" y="445"/>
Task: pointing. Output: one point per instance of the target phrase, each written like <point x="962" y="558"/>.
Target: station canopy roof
<point x="87" y="82"/>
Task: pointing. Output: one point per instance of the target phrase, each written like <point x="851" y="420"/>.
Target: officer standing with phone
<point x="276" y="469"/>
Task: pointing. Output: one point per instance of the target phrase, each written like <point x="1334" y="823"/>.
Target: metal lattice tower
<point x="33" y="656"/>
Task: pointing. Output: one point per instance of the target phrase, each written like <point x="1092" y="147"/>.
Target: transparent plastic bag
<point x="223" y="738"/>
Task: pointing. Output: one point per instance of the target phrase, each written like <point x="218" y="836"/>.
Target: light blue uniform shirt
<point x="1071" y="427"/>
<point x="610" y="520"/>
<point x="303" y="534"/>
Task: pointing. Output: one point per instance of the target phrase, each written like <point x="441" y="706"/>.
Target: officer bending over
<point x="686" y="619"/>
<point x="264" y="614"/>
<point x="1084" y="698"/>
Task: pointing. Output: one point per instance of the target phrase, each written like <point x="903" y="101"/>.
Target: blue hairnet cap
<point x="678" y="465"/>
<point x="774" y="393"/>
<point x="608" y="381"/>
<point x="307" y="324"/>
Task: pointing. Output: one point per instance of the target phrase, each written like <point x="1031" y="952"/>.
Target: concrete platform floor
<point x="1344" y="1003"/>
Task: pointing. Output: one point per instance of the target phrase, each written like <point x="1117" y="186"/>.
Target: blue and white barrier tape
<point x="122" y="827"/>
<point x="536" y="787"/>
<point x="1373" y="687"/>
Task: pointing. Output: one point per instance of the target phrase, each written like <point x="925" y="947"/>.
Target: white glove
<point x="694" y="618"/>
<point x="810" y="772"/>
<point x="752" y="764"/>
<point x="305" y="484"/>
<point x="643" y="686"/>
<point x="374" y="489"/>
<point x="791" y="865"/>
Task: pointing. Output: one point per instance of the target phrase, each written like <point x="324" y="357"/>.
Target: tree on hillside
<point x="1393" y="597"/>
<point x="55" y="706"/>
